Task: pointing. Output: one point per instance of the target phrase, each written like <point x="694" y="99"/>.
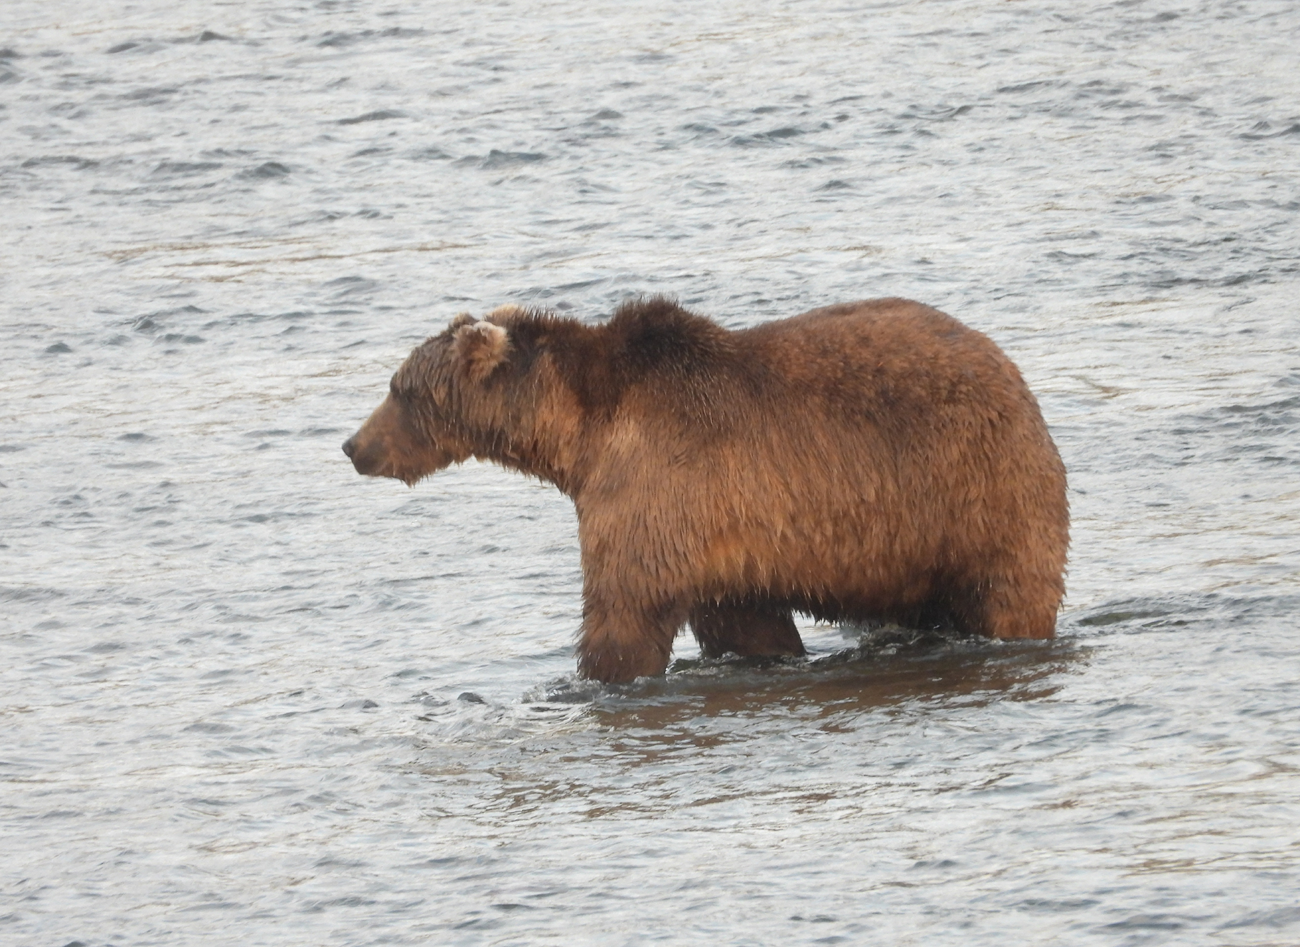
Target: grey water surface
<point x="247" y="697"/>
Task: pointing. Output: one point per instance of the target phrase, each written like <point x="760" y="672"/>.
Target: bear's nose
<point x="350" y="446"/>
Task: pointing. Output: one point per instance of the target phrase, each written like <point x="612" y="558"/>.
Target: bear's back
<point x="888" y="368"/>
<point x="893" y="354"/>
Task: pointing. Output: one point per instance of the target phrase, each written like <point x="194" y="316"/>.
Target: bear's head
<point x="439" y="409"/>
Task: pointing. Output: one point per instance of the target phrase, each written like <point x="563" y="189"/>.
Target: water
<point x="249" y="697"/>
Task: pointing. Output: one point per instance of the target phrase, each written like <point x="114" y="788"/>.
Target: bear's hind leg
<point x="1024" y="610"/>
<point x="749" y="629"/>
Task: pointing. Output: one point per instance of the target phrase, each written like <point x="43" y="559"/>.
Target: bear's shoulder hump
<point x="656" y="330"/>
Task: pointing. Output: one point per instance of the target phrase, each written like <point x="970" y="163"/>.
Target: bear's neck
<point x="544" y="444"/>
<point x="552" y="422"/>
<point x="535" y="461"/>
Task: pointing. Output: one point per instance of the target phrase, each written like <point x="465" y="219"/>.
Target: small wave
<point x="769" y="137"/>
<point x="17" y="593"/>
<point x="382" y="115"/>
<point x="76" y="162"/>
<point x="345" y="287"/>
<point x="1263" y="130"/>
<point x="942" y="113"/>
<point x="185" y="169"/>
<point x="153" y="322"/>
<point x="339" y="40"/>
<point x="1031" y="86"/>
<point x="700" y="128"/>
<point x="1159" y="613"/>
<point x="496" y="160"/>
<point x="267" y="170"/>
<point x="471" y="717"/>
<point x="128" y="45"/>
<point x="814" y="161"/>
<point x="652" y="56"/>
<point x="150" y="94"/>
<point x="429" y="153"/>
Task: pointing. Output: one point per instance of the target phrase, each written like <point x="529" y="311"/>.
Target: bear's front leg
<point x="749" y="629"/>
<point x="621" y="641"/>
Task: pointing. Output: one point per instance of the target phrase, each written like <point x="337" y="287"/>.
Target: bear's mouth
<point x="364" y="458"/>
<point x="377" y="459"/>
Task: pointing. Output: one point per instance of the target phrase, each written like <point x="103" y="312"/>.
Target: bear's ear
<point x="481" y="347"/>
<point x="462" y="319"/>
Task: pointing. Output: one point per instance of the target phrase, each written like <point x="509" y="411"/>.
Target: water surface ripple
<point x="248" y="697"/>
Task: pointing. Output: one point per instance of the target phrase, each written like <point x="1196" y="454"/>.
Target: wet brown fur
<point x="871" y="460"/>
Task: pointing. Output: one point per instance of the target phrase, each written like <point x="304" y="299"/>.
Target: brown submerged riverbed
<point x="249" y="697"/>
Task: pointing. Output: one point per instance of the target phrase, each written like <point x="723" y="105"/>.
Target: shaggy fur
<point x="871" y="460"/>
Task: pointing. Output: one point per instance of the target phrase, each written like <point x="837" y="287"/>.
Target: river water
<point x="247" y="697"/>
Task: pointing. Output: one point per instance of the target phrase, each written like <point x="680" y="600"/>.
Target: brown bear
<point x="866" y="461"/>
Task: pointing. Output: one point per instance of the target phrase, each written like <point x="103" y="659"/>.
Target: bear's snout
<point x="363" y="453"/>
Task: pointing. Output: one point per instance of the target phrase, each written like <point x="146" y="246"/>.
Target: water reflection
<point x="893" y="714"/>
<point x="887" y="669"/>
